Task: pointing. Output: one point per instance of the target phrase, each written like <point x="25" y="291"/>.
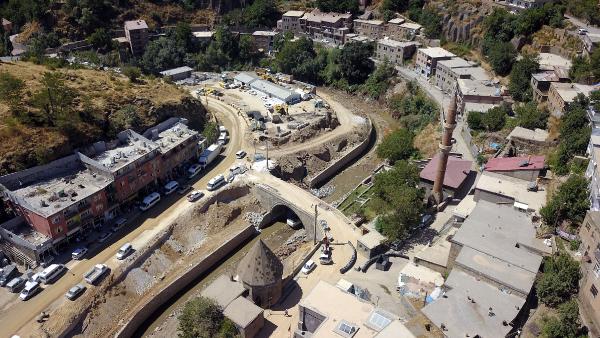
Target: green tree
<point x="520" y="78"/>
<point x="340" y="6"/>
<point x="475" y="120"/>
<point x="495" y="118"/>
<point x="397" y="145"/>
<point x="399" y="201"/>
<point x="211" y="132"/>
<point x="569" y="203"/>
<point x="355" y="63"/>
<point x="203" y="318"/>
<point x="262" y="13"/>
<point x="101" y="40"/>
<point x="431" y="21"/>
<point x="379" y="81"/>
<point x="124" y="118"/>
<point x="501" y="57"/>
<point x="162" y="54"/>
<point x="5" y="44"/>
<point x="585" y="9"/>
<point x="566" y="325"/>
<point x="11" y="91"/>
<point x="530" y="117"/>
<point x="56" y="101"/>
<point x="394" y="5"/>
<point x="559" y="281"/>
<point x="574" y="135"/>
<point x="581" y="69"/>
<point x="133" y="73"/>
<point x="182" y="34"/>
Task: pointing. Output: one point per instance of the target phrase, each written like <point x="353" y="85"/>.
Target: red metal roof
<point x="515" y="163"/>
<point x="457" y="171"/>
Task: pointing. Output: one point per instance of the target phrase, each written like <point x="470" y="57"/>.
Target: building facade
<point x="540" y="83"/>
<point x="592" y="172"/>
<point x="330" y="27"/>
<point x="373" y="29"/>
<point x="264" y="40"/>
<point x="589" y="233"/>
<point x="137" y="35"/>
<point x="560" y="95"/>
<point x="477" y="95"/>
<point x="290" y="22"/>
<point x="427" y="59"/>
<point x="395" y="51"/>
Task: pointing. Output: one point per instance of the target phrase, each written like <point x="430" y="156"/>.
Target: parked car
<point x="78" y="253"/>
<point x="582" y="31"/>
<point x="7" y="273"/>
<point x="426" y="220"/>
<point x="95" y="274"/>
<point x="240" y="154"/>
<point x="119" y="224"/>
<point x="195" y="195"/>
<point x="124" y="251"/>
<point x="325" y="259"/>
<point x="308" y="267"/>
<point x="216" y="182"/>
<point x="324" y="225"/>
<point x="170" y="187"/>
<point x="53" y="272"/>
<point x="184" y="189"/>
<point x="194" y="170"/>
<point x="75" y="292"/>
<point x="293" y="222"/>
<point x="16" y="284"/>
<point x="104" y="236"/>
<point x="30" y="290"/>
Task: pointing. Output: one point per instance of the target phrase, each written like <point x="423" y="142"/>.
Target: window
<point x="594" y="291"/>
<point x="345" y="329"/>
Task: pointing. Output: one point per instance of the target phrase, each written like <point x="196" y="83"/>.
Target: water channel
<point x="274" y="236"/>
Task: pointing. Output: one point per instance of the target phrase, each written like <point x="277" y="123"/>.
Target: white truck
<point x="209" y="154"/>
<point x="95" y="274"/>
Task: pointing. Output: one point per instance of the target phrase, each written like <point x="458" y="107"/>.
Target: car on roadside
<point x="324" y="225"/>
<point x="30" y="290"/>
<point x="124" y="251"/>
<point x="16" y="284"/>
<point x="426" y="220"/>
<point x="325" y="259"/>
<point x="119" y="224"/>
<point x="104" y="236"/>
<point x="195" y="195"/>
<point x="78" y="253"/>
<point x="308" y="267"/>
<point x="184" y="189"/>
<point x="75" y="292"/>
<point x="582" y="31"/>
<point x="240" y="154"/>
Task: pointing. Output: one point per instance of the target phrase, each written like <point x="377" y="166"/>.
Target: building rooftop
<point x="395" y="330"/>
<point x="478" y="87"/>
<point x="204" y="34"/>
<point x="260" y="266"/>
<point x="511" y="187"/>
<point x="265" y="33"/>
<point x="340" y="307"/>
<point x="503" y="233"/>
<point x="51" y="188"/>
<point x="170" y="133"/>
<point x="435" y="52"/>
<point x="372" y="239"/>
<point x="545" y="76"/>
<point x="272" y="89"/>
<point x="457" y="171"/>
<point x="456" y="63"/>
<point x="438" y="253"/>
<point x="397" y="21"/>
<point x="397" y="44"/>
<point x="246" y="77"/>
<point x="135" y="24"/>
<point x="223" y="290"/>
<point x="412" y="26"/>
<point x="474" y="73"/>
<point x="370" y="22"/>
<point x="548" y="61"/>
<point x="318" y="16"/>
<point x="128" y="148"/>
<point x="296" y="14"/>
<point x="175" y="71"/>
<point x="569" y="91"/>
<point x="461" y="317"/>
<point x="595" y="137"/>
<point x="242" y="312"/>
<point x="480" y="106"/>
<point x="465" y="207"/>
<point x="537" y="135"/>
<point x="515" y="163"/>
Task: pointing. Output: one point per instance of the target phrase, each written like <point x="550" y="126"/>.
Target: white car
<point x="75" y="292"/>
<point x="195" y="195"/>
<point x="240" y="154"/>
<point x="308" y="267"/>
<point x="79" y="253"/>
<point x="124" y="251"/>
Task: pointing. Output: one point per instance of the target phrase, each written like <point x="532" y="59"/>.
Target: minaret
<point x="445" y="147"/>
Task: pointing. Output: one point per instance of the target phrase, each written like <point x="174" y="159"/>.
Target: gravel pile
<point x="323" y="192"/>
<point x="139" y="281"/>
<point x="291" y="245"/>
<point x="253" y="218"/>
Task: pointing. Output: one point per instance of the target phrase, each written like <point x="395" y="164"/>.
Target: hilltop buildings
<point x="136" y="33"/>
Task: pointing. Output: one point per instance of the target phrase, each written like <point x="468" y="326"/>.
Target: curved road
<point x="20" y="316"/>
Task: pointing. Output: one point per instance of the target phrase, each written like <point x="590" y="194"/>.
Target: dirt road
<point x="20" y="317"/>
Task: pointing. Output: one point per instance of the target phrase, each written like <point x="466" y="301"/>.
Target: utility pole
<point x="267" y="144"/>
<point x="315" y="232"/>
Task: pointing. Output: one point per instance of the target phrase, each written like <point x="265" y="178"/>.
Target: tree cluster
<point x="397" y="146"/>
<point x="529" y="116"/>
<point x="413" y="108"/>
<point x="566" y="324"/>
<point x="520" y="78"/>
<point x="569" y="204"/>
<point x="492" y="120"/>
<point x="586" y="69"/>
<point x="203" y="318"/>
<point x="339" y="6"/>
<point x="587" y="10"/>
<point x="261" y="13"/>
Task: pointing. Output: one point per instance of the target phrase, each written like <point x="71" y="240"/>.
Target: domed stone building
<point x="260" y="271"/>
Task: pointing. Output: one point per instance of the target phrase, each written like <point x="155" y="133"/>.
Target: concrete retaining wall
<point x="340" y="163"/>
<point x="157" y="298"/>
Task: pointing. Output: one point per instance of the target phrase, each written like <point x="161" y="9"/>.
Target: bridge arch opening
<point x="282" y="213"/>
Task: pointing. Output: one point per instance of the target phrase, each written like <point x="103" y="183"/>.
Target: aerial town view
<point x="300" y="168"/>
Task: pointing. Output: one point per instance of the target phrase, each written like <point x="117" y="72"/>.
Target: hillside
<point x="57" y="111"/>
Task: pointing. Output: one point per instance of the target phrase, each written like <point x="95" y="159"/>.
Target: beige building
<point x="393" y="29"/>
<point x="427" y="59"/>
<point x="448" y="71"/>
<point x="373" y="29"/>
<point x="589" y="233"/>
<point x="540" y="82"/>
<point x="560" y="95"/>
<point x="137" y="35"/>
<point x="395" y="51"/>
<point x="328" y="27"/>
<point x="290" y="22"/>
<point x="477" y="95"/>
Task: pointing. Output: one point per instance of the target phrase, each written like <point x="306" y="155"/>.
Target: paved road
<point x="580" y="24"/>
<point x="19" y="317"/>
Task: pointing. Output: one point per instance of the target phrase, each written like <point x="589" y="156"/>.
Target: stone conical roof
<point x="260" y="266"/>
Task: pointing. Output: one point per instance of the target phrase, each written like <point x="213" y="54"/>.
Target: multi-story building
<point x="330" y="27"/>
<point x="177" y="145"/>
<point x="560" y="95"/>
<point x="373" y="29"/>
<point x="137" y="35"/>
<point x="290" y="22"/>
<point x="427" y="59"/>
<point x="477" y="95"/>
<point x="593" y="171"/>
<point x="393" y="29"/>
<point x="589" y="233"/>
<point x="263" y="40"/>
<point x="540" y="82"/>
<point x="395" y="51"/>
<point x="448" y="71"/>
<point x="409" y="30"/>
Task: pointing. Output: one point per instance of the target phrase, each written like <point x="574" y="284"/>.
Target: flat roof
<point x="512" y="187"/>
<point x="318" y="16"/>
<point x="273" y="89"/>
<point x="264" y="33"/>
<point x="479" y="106"/>
<point x="438" y="253"/>
<point x="460" y="316"/>
<point x="246" y="77"/>
<point x="413" y="26"/>
<point x="478" y="87"/>
<point x="397" y="21"/>
<point x="517" y="163"/>
<point x="370" y="22"/>
<point x="242" y="312"/>
<point x="496" y="229"/>
<point x="548" y="75"/>
<point x="537" y="135"/>
<point x="456" y="63"/>
<point x="549" y="60"/>
<point x="294" y="13"/>
<point x="569" y="91"/>
<point x="474" y="73"/>
<point x="170" y="133"/>
<point x="175" y="71"/>
<point x="223" y="291"/>
<point x="372" y="239"/>
<point x="457" y="171"/>
<point x="395" y="330"/>
<point x="394" y="43"/>
<point x="435" y="52"/>
<point x="135" y="24"/>
<point x="465" y="207"/>
<point x="117" y="154"/>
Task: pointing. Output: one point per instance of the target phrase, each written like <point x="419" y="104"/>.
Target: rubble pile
<point x="254" y="218"/>
<point x="323" y="191"/>
<point x="292" y="244"/>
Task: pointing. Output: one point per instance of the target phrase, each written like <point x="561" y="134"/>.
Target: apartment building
<point x="393" y="29"/>
<point x="592" y="172"/>
<point x="373" y="29"/>
<point x="477" y="95"/>
<point x="264" y="40"/>
<point x="290" y="22"/>
<point x="427" y="59"/>
<point x="589" y="234"/>
<point x="540" y="82"/>
<point x="395" y="51"/>
<point x="560" y="95"/>
<point x="448" y="71"/>
<point x="136" y="33"/>
<point x="329" y="27"/>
